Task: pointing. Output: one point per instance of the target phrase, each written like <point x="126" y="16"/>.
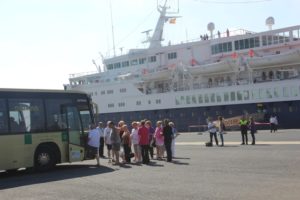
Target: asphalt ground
<point x="268" y="170"/>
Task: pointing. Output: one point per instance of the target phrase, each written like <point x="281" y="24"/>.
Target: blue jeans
<point x="213" y="134"/>
<point x="222" y="138"/>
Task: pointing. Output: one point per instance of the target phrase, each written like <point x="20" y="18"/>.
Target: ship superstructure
<point x="229" y="74"/>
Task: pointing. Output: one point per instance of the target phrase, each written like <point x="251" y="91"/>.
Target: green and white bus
<point x="40" y="128"/>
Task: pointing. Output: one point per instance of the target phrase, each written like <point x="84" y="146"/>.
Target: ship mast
<point x="155" y="40"/>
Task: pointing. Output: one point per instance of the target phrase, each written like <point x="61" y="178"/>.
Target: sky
<point x="42" y="42"/>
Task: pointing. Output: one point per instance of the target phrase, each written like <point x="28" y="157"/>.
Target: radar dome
<point x="270" y="21"/>
<point x="211" y="28"/>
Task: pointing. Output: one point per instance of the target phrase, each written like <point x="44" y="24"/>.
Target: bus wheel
<point x="44" y="159"/>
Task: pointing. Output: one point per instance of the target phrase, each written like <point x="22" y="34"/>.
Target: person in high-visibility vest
<point x="244" y="130"/>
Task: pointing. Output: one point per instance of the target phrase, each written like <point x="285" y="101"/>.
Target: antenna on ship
<point x="112" y="28"/>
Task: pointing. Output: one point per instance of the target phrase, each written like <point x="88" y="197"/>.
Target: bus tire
<point x="44" y="159"/>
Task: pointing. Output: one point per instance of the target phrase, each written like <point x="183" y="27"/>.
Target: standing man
<point x="101" y="132"/>
<point x="244" y="130"/>
<point x="94" y="142"/>
<point x="168" y="134"/>
<point x="143" y="132"/>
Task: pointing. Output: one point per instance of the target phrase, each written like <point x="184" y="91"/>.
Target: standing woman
<point x="168" y="134"/>
<point x="252" y="129"/>
<point x="115" y="142"/>
<point x="159" y="140"/>
<point x="221" y="129"/>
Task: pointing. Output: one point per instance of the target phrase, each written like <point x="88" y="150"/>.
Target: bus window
<point x="55" y="118"/>
<point x="26" y="115"/>
<point x="3" y="117"/>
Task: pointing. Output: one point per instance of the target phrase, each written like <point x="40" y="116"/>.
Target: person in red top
<point x="143" y="133"/>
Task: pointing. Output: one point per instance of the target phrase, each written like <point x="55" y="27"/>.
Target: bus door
<point x="75" y="132"/>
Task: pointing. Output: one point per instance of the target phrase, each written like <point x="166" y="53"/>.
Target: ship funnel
<point x="270" y="21"/>
<point x="211" y="28"/>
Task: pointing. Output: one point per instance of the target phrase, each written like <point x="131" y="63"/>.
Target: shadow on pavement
<point x="61" y="172"/>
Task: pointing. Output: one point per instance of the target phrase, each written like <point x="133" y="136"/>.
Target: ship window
<point x="102" y="92"/>
<point x="134" y="62"/>
<point x="188" y="100"/>
<point x="122" y="90"/>
<point x="294" y="91"/>
<point x="111" y="105"/>
<point x="194" y="100"/>
<point x="269" y="94"/>
<point x="232" y="96"/>
<point x="241" y="44"/>
<point x="219" y="98"/>
<point x="142" y="61"/>
<point x="117" y="65"/>
<point x="270" y="40"/>
<point x="277" y="92"/>
<point x="264" y="40"/>
<point x="262" y="93"/>
<point x="246" y="95"/>
<point x="255" y="94"/>
<point x="212" y="98"/>
<point x="158" y="101"/>
<point x="152" y="59"/>
<point x="226" y="96"/>
<point x="149" y="101"/>
<point x="125" y="64"/>
<point x="122" y="104"/>
<point x="251" y="42"/>
<point x="236" y="45"/>
<point x="138" y="103"/>
<point x="239" y="96"/>
<point x="275" y="39"/>
<point x="285" y="92"/>
<point x="256" y="41"/>
<point x="246" y="43"/>
<point x="110" y="66"/>
<point x="206" y="98"/>
<point x="200" y="98"/>
<point x="229" y="46"/>
<point x="172" y="55"/>
<point x="109" y="91"/>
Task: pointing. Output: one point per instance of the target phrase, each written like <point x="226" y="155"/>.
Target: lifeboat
<point x="156" y="75"/>
<point x="291" y="57"/>
<point x="227" y="65"/>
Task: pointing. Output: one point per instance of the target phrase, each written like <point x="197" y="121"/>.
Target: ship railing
<point x="82" y="74"/>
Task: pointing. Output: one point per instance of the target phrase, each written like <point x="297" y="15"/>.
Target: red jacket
<point x="144" y="135"/>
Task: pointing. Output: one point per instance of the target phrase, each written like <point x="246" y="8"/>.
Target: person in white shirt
<point x="94" y="142"/>
<point x="212" y="129"/>
<point x="107" y="141"/>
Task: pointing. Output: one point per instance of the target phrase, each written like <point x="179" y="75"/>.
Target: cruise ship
<point x="226" y="74"/>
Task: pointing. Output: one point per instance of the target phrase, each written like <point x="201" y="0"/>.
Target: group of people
<point x="143" y="138"/>
<point x="219" y="127"/>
